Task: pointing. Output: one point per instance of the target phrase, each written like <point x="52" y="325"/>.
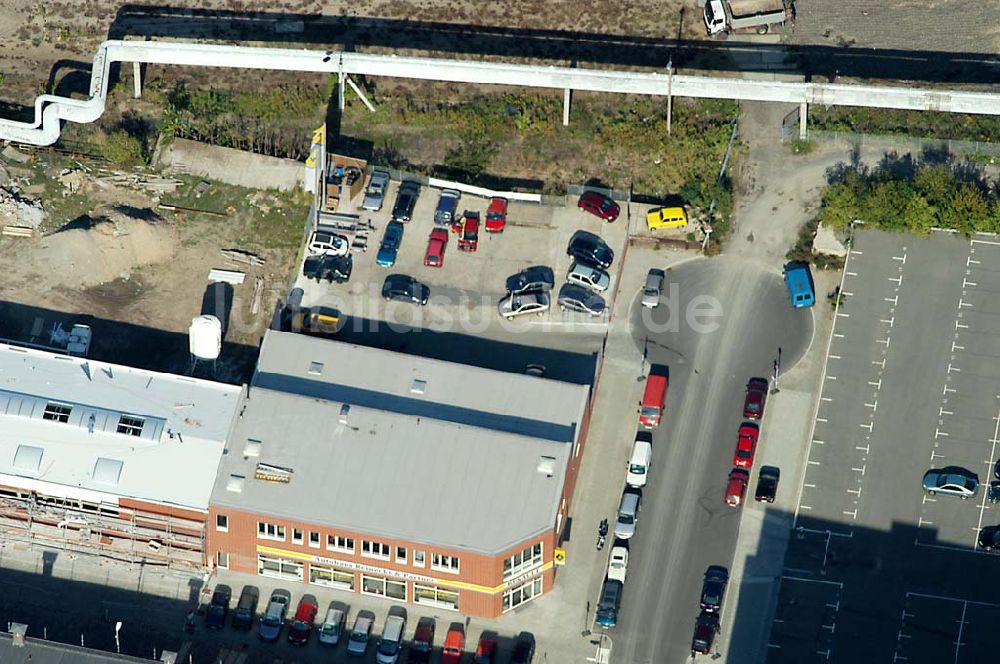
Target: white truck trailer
<point x="759" y="16"/>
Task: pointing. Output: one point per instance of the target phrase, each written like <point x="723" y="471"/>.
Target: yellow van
<point x="666" y="217"/>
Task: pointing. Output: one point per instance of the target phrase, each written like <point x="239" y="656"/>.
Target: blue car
<point x="391" y="240"/>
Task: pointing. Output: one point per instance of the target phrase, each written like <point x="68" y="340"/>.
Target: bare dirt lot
<point x="107" y="256"/>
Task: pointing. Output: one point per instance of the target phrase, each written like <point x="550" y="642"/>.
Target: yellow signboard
<point x="559" y="556"/>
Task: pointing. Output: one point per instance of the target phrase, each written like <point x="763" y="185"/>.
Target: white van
<point x="640" y="459"/>
<point x="333" y="625"/>
<point x="392" y="637"/>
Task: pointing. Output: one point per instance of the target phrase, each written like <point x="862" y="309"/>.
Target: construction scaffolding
<point x="128" y="535"/>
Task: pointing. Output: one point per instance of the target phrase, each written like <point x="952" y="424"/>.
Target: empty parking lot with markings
<point x="878" y="569"/>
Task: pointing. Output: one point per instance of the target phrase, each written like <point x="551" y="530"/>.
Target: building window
<point x="439" y="597"/>
<point x="418" y="558"/>
<point x="375" y="550"/>
<point x="332" y="577"/>
<point x="314" y="539"/>
<point x="222" y="523"/>
<point x="444" y="563"/>
<point x="522" y="561"/>
<point x="130" y="425"/>
<point x="376" y="585"/>
<point x="271" y="531"/>
<point x="296" y="536"/>
<point x="515" y="597"/>
<point x="401" y="555"/>
<point x="57" y="412"/>
<point x="340" y="543"/>
<point x="279" y="568"/>
<point x="222" y="560"/>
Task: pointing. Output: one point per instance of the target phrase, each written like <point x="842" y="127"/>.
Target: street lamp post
<point x="777" y="371"/>
<point x="118" y="645"/>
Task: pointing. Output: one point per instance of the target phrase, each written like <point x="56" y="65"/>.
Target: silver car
<point x="375" y="193"/>
<point x="652" y="289"/>
<point x="520" y="304"/>
<point x="628" y="515"/>
<point x="953" y="481"/>
<point x="577" y="298"/>
<point x="589" y="277"/>
<point x="273" y="619"/>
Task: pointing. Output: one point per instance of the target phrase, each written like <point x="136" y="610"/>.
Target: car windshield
<point x="626" y="519"/>
<point x="743" y="454"/>
<point x="494" y="216"/>
<point x="637" y="469"/>
<point x="270" y="621"/>
<point x="650" y="290"/>
<point x="359" y="637"/>
<point x="650" y="411"/>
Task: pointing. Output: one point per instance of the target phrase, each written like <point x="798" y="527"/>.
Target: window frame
<point x="222" y="559"/>
<point x="130" y="428"/>
<point x="222" y="523"/>
<point x="312" y="534"/>
<point x="277" y="536"/>
<point x="422" y="562"/>
<point x="347" y="547"/>
<point x="370" y="553"/>
<point x="56" y="411"/>
<point x="442" y="562"/>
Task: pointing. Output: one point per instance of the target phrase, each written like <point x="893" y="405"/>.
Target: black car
<point x="406" y="199"/>
<point x="331" y="268"/>
<point x="246" y="608"/>
<point x="406" y="288"/>
<point x="215" y="616"/>
<point x="524" y="649"/>
<point x="713" y="588"/>
<point x="591" y="250"/>
<point x="578" y="298"/>
<point x="767" y="484"/>
<point x="989" y="538"/>
<point x="536" y="277"/>
<point x="705" y="629"/>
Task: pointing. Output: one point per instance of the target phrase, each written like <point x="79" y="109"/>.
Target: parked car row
<point x="706" y="626"/>
<point x="332" y="630"/>
<point x="747" y="437"/>
<point x="636" y="476"/>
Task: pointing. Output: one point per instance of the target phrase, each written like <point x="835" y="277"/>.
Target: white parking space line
<point x="993" y="451"/>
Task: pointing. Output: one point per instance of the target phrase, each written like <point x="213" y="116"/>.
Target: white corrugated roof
<point x="75" y="427"/>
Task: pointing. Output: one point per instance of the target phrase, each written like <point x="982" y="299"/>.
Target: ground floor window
<point x="375" y="585"/>
<point x="517" y="596"/>
<point x="446" y="599"/>
<point x="222" y="559"/>
<point x="278" y="568"/>
<point x="328" y="576"/>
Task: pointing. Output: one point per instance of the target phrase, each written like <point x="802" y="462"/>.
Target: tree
<point x="884" y="204"/>
<point x="123" y="150"/>
<point x="969" y="209"/>
<point x="919" y="216"/>
<point x="936" y="184"/>
<point x="840" y="206"/>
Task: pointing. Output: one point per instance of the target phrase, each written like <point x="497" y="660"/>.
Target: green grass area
<point x="258" y="220"/>
<point x="909" y="123"/>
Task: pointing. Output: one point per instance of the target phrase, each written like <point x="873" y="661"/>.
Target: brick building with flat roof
<point x="395" y="475"/>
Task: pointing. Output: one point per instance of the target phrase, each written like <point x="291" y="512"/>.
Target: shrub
<point x="123" y="150"/>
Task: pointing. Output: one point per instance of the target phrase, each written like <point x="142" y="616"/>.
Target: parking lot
<point x="465" y="289"/>
<point x="912" y="383"/>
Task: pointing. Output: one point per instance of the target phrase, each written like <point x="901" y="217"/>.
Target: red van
<point x="654" y="399"/>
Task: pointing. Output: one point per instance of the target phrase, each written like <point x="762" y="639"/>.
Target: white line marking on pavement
<point x="831" y="378"/>
<point x="855" y="252"/>
<point x="993" y="451"/>
<point x="974" y="241"/>
<point x="839" y="336"/>
<point x="809" y="486"/>
<point x="843" y="315"/>
<point x="898" y="280"/>
<point x="847" y="293"/>
<point x="951" y="368"/>
<point x="963" y="303"/>
<point x="864" y="449"/>
<point x="883" y="341"/>
<point x="805" y="507"/>
<point x="876" y="383"/>
<point x="894" y="299"/>
<point x="853" y="514"/>
<point x="825" y="399"/>
<point x="868" y="426"/>
<point x="823" y="581"/>
<point x="856" y="492"/>
<point x="959" y="326"/>
<point x="901" y="258"/>
<point x="950" y="599"/>
<point x="814" y="463"/>
<point x="851" y="274"/>
<point x="890" y="321"/>
<point x="955" y="346"/>
<point x="938" y="432"/>
<point x="873" y="406"/>
<point x="833" y="357"/>
<point x="819" y="442"/>
<point x="921" y="522"/>
<point x="966" y="282"/>
<point x="942" y="411"/>
<point x="961" y="628"/>
<point x="821" y="419"/>
<point x="860" y="470"/>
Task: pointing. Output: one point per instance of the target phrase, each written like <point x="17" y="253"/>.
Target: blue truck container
<point x="800" y="285"/>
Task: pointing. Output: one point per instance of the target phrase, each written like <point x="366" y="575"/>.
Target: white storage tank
<point x="205" y="337"/>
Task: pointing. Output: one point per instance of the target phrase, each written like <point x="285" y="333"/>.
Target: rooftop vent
<point x="28" y="458"/>
<point x="269" y="473"/>
<point x="315" y="368"/>
<point x="252" y="448"/>
<point x="546" y="465"/>
<point x="235" y="483"/>
<point x="108" y="471"/>
<point x="168" y="657"/>
<point x="18" y="631"/>
<point x="345" y="412"/>
<point x="419" y="386"/>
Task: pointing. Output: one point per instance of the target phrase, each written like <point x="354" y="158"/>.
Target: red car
<point x="753" y="407"/>
<point x="486" y="650"/>
<point x="599" y="205"/>
<point x="454" y="646"/>
<point x="468" y="231"/>
<point x="746" y="445"/>
<point x="302" y="625"/>
<point x="436" y="244"/>
<point x="736" y="488"/>
<point x="496" y="215"/>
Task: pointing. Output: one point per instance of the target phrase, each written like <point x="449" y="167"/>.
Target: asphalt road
<point x="881" y="571"/>
<point x="684" y="525"/>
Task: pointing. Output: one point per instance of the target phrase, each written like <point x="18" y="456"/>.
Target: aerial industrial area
<point x="533" y="332"/>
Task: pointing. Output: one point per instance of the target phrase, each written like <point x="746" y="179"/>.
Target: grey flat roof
<point x="38" y="651"/>
<point x="404" y="465"/>
<point x="182" y="424"/>
<point x="420" y="386"/>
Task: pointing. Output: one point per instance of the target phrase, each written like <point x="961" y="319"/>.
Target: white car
<point x="324" y="243"/>
<point x="520" y="304"/>
<point x="652" y="288"/>
<point x="619" y="563"/>
<point x="589" y="277"/>
<point x="640" y="459"/>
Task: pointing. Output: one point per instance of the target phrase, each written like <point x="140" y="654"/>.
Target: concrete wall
<point x="245" y="169"/>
